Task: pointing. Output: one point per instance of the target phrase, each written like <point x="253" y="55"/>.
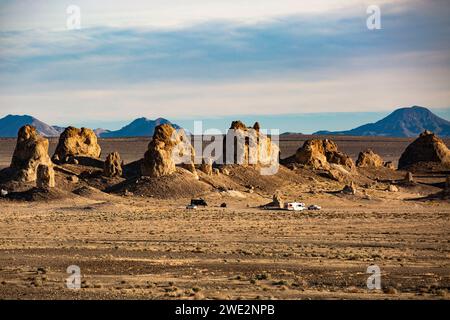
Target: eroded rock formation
<point x="75" y="142"/>
<point x="113" y="165"/>
<point x="249" y="146"/>
<point x="409" y="178"/>
<point x="167" y="149"/>
<point x="206" y="166"/>
<point x="350" y="189"/>
<point x="426" y="148"/>
<point x="31" y="151"/>
<point x="278" y="201"/>
<point x="369" y="159"/>
<point x="320" y="153"/>
<point x="45" y="176"/>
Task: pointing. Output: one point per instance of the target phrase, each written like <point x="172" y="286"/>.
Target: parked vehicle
<point x="295" y="206"/>
<point x="191" y="206"/>
<point x="314" y="207"/>
<point x="198" y="202"/>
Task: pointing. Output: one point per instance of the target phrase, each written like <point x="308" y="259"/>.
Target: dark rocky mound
<point x="426" y="149"/>
<point x="180" y="184"/>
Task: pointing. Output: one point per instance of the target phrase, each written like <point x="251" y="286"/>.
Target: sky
<point x="297" y="65"/>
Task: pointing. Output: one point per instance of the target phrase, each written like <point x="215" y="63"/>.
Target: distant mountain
<point x="99" y="131"/>
<point x="285" y="134"/>
<point x="10" y="125"/>
<point x="141" y="127"/>
<point x="404" y="122"/>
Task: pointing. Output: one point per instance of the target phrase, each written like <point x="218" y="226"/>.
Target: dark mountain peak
<point x="24" y="117"/>
<point x="141" y="119"/>
<point x="138" y="121"/>
<point x="403" y="122"/>
<point x="10" y="125"/>
<point x="414" y="110"/>
<point x="140" y="127"/>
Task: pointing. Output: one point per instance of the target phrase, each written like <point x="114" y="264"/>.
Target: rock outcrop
<point x="338" y="173"/>
<point x="389" y="165"/>
<point x="426" y="148"/>
<point x="277" y="201"/>
<point x="369" y="159"/>
<point x="167" y="149"/>
<point x="350" y="189"/>
<point x="206" y="166"/>
<point x="409" y="178"/>
<point x="75" y="142"/>
<point x="392" y="188"/>
<point x="45" y="176"/>
<point x="113" y="165"/>
<point x="318" y="154"/>
<point x="249" y="146"/>
<point x="31" y="151"/>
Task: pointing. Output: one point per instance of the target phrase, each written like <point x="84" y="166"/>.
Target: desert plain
<point x="147" y="245"/>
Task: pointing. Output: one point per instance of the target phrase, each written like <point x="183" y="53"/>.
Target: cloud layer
<point x="222" y="59"/>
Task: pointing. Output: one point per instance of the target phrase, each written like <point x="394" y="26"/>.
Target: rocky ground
<point x="139" y="241"/>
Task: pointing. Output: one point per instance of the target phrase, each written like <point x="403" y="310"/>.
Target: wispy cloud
<point x="51" y="14"/>
<point x="319" y="59"/>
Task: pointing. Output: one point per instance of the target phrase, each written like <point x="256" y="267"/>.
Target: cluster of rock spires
<point x="242" y="145"/>
<point x="31" y="161"/>
<point x="248" y="146"/>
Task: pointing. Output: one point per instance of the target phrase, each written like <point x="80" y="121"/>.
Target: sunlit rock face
<point x="319" y="154"/>
<point x="167" y="149"/>
<point x="31" y="151"/>
<point x="75" y="142"/>
<point x="249" y="146"/>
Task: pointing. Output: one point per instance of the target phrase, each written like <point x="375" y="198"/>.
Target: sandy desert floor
<point x="131" y="247"/>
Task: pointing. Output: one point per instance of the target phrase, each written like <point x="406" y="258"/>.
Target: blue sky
<point x="294" y="65"/>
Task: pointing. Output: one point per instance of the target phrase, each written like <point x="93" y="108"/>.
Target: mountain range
<point x="403" y="122"/>
<point x="10" y="125"/>
<point x="142" y="127"/>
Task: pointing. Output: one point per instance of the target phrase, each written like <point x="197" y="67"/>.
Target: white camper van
<point x="295" y="206"/>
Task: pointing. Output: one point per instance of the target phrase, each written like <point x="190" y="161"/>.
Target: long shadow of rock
<point x="37" y="194"/>
<point x="90" y="162"/>
<point x="439" y="196"/>
<point x="7" y="175"/>
<point x="132" y="170"/>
